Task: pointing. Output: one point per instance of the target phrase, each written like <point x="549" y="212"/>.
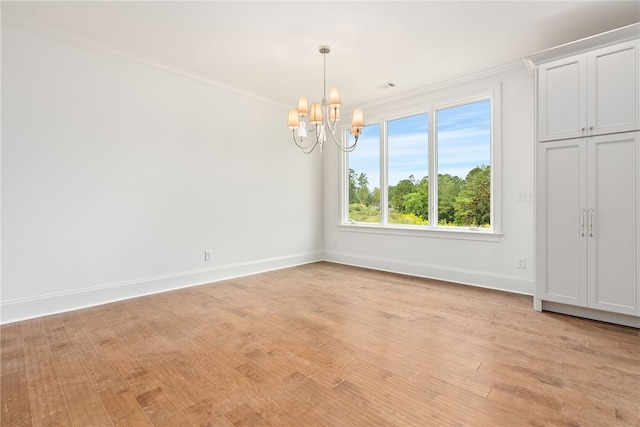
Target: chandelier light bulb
<point x="334" y="115"/>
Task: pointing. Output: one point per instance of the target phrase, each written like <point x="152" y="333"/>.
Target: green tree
<point x="364" y="205"/>
<point x="448" y="189"/>
<point x="374" y="197"/>
<point x="352" y="185"/>
<point x="362" y="191"/>
<point x="417" y="202"/>
<point x="359" y="188"/>
<point x="473" y="204"/>
<point x="398" y="192"/>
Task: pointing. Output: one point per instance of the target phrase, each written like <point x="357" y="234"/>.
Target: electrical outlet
<point x="208" y="255"/>
<point x="522" y="262"/>
<point x="525" y="196"/>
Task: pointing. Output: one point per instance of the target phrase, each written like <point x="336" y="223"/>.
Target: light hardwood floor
<point x="320" y="345"/>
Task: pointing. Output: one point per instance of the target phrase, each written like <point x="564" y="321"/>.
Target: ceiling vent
<point x="385" y="85"/>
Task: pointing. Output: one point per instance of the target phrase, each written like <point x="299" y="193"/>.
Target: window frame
<point x="429" y="103"/>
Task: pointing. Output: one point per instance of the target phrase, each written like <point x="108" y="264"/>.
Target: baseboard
<point x="483" y="279"/>
<point x="589" y="313"/>
<point x="44" y="305"/>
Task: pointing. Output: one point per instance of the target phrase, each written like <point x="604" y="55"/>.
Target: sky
<point x="464" y="142"/>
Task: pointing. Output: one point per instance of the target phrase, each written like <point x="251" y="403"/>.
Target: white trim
<point x="446" y="89"/>
<point x="482" y="279"/>
<point x="593" y="314"/>
<point x="466" y="92"/>
<point x="460" y="233"/>
<point x="27" y="308"/>
<point x="618" y="35"/>
<point x="55" y="34"/>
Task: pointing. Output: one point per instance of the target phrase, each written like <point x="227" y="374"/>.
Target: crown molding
<point x="460" y="85"/>
<point x="489" y="73"/>
<point x="618" y="35"/>
<point x="56" y="34"/>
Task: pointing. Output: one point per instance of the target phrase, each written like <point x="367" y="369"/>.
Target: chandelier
<point x="324" y="116"/>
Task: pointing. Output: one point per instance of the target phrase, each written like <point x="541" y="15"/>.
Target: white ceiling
<point x="270" y="48"/>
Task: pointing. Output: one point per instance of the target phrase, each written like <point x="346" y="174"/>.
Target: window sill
<point x="478" y="234"/>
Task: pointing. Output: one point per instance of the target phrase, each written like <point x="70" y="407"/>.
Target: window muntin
<point x="469" y="121"/>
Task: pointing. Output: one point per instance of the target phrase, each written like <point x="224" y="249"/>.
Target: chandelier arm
<point x="304" y="149"/>
<point x="346" y="149"/>
<point x="310" y="148"/>
<point x="310" y="151"/>
<point x="313" y="129"/>
<point x="295" y="141"/>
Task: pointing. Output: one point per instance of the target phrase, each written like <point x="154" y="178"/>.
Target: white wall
<point x="481" y="263"/>
<point x="118" y="175"/>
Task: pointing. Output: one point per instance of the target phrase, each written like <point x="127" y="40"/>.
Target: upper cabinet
<point x="589" y="87"/>
<point x="590" y="94"/>
<point x="562" y="98"/>
<point x="613" y="83"/>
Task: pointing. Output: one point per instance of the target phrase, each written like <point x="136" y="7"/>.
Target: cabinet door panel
<point x="613" y="198"/>
<point x="562" y="103"/>
<point x="614" y="95"/>
<point x="561" y="246"/>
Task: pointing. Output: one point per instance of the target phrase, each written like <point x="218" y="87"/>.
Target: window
<point x="434" y="170"/>
<point x="364" y="171"/>
<point x="408" y="170"/>
<point x="463" y="135"/>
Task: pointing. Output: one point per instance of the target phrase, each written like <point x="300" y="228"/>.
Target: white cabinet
<point x="613" y="222"/>
<point x="561" y="263"/>
<point x="593" y="93"/>
<point x="562" y="98"/>
<point x="587" y="185"/>
<point x="588" y="222"/>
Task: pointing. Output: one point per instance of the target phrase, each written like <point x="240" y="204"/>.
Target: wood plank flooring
<point x="320" y="345"/>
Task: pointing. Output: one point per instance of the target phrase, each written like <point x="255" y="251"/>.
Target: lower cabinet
<point x="588" y="223"/>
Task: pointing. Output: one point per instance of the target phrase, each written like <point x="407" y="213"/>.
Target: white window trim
<point x="452" y="96"/>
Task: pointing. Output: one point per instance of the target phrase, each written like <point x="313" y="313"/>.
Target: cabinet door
<point x="562" y="98"/>
<point x="614" y="222"/>
<point x="561" y="243"/>
<point x="614" y="89"/>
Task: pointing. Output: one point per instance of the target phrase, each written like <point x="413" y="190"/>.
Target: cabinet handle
<point x="590" y="222"/>
<point x="582" y="222"/>
<point x="583" y="128"/>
